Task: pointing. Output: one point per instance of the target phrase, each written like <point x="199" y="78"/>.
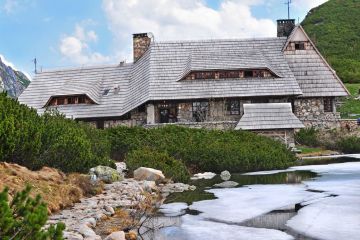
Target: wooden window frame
<point x="233" y="106"/>
<point x="200" y="110"/>
<point x="300" y="46"/>
<point x="328" y="105"/>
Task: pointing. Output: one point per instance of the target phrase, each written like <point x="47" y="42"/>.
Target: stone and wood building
<point x="267" y="85"/>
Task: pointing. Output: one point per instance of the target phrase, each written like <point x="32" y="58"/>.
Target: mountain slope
<point x="335" y="29"/>
<point x="12" y="81"/>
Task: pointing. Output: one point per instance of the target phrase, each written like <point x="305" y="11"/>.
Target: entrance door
<point x="164" y="115"/>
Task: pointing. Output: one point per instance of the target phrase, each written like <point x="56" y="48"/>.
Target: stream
<point x="310" y="202"/>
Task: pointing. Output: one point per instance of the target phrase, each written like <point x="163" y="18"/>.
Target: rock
<point x="90" y="222"/>
<point x="226" y="184"/>
<point x="148" y="186"/>
<point x="205" y="175"/>
<point x="225" y="175"/>
<point x="106" y="174"/>
<point x="87" y="232"/>
<point x="176" y="187"/>
<point x="109" y="209"/>
<point x="116" y="236"/>
<point x="121" y="168"/>
<point x="148" y="174"/>
<point x="72" y="236"/>
<point x="192" y="188"/>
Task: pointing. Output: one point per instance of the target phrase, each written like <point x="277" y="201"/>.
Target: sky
<point x="71" y="33"/>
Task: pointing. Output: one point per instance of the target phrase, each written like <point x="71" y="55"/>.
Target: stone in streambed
<point x="148" y="174"/>
<point x="106" y="174"/>
<point x="225" y="175"/>
<point x="205" y="175"/>
<point x="120" y="235"/>
<point x="226" y="184"/>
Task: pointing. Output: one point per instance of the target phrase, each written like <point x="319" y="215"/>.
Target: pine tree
<point x="24" y="218"/>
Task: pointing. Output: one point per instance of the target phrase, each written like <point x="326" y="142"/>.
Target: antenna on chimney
<point x="288" y="3"/>
<point x="35" y="63"/>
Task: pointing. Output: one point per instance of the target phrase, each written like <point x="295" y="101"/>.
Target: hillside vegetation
<point x="334" y="27"/>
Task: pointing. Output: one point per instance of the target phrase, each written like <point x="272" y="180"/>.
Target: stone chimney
<point x="141" y="43"/>
<point x="285" y="27"/>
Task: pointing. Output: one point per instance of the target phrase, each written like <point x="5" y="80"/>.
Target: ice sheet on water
<point x="239" y="204"/>
<point x="196" y="228"/>
<point x="332" y="219"/>
<point x="335" y="217"/>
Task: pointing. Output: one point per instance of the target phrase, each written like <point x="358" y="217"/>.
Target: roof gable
<point x="313" y="73"/>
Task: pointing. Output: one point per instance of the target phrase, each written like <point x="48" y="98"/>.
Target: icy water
<point x="302" y="203"/>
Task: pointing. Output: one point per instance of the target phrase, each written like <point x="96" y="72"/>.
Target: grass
<point x="353" y="88"/>
<point x="351" y="106"/>
<point x="306" y="150"/>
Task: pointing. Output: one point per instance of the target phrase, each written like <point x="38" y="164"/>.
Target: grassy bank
<point x="318" y="140"/>
<point x="351" y="106"/>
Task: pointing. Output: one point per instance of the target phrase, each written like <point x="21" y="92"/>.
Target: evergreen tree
<point x="24" y="218"/>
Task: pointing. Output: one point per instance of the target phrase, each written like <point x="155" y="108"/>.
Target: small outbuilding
<point x="275" y="120"/>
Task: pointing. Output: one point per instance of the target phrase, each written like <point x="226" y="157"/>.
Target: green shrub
<point x="349" y="144"/>
<point x="23" y="218"/>
<point x="308" y="137"/>
<point x="204" y="150"/>
<point x="171" y="167"/>
<point x="49" y="140"/>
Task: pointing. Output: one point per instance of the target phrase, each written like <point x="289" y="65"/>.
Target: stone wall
<point x="222" y="125"/>
<point x="311" y="112"/>
<point x="217" y="112"/>
<point x="349" y="125"/>
<point x="136" y="119"/>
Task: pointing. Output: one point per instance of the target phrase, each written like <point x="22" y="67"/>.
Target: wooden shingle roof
<point x="155" y="76"/>
<point x="268" y="116"/>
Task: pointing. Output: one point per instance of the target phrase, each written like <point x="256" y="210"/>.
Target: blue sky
<point x="86" y="32"/>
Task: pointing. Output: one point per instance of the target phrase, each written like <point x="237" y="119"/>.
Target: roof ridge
<point x="83" y="67"/>
<point x="218" y="40"/>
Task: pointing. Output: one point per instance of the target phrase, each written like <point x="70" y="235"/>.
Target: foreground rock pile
<point x="81" y="219"/>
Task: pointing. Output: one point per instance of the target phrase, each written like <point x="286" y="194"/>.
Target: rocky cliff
<point x="12" y="81"/>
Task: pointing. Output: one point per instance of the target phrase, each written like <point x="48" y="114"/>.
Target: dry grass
<point x="57" y="189"/>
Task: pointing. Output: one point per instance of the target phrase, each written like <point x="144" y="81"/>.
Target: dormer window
<point x="234" y="74"/>
<point x="300" y="46"/>
<point x="69" y="100"/>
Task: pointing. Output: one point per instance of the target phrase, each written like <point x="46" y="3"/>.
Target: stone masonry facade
<point x="312" y="113"/>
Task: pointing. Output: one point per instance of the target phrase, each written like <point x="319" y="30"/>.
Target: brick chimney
<point x="141" y="43"/>
<point x="285" y="27"/>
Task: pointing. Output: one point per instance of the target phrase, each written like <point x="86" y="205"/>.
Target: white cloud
<point x="10" y="6"/>
<point x="75" y="48"/>
<point x="184" y="19"/>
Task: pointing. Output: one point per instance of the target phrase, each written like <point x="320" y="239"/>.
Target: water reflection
<point x="199" y="194"/>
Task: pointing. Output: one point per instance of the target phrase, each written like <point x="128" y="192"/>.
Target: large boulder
<point x="225" y="175"/>
<point x="106" y="174"/>
<point x="148" y="174"/>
